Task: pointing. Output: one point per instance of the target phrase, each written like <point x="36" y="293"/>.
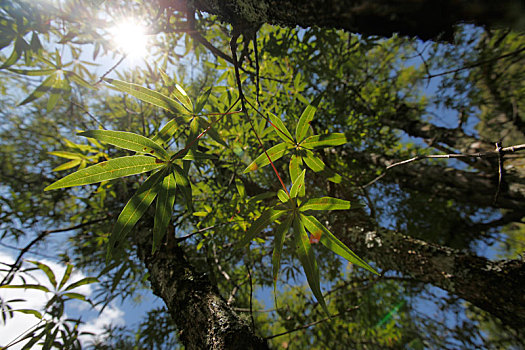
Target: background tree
<point x="421" y="223"/>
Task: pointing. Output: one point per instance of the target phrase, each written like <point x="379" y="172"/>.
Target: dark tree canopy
<point x="281" y="174"/>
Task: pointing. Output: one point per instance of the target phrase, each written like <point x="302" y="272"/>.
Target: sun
<point x="130" y="37"/>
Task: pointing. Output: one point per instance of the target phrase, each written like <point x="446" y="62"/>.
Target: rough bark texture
<point x="204" y="319"/>
<point x="426" y="19"/>
<point x="494" y="286"/>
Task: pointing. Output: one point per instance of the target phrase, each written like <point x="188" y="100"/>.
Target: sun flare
<point x="130" y="37"/>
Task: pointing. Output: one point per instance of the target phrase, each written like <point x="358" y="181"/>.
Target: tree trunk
<point x="203" y="318"/>
<point x="426" y="19"/>
<point x="494" y="286"/>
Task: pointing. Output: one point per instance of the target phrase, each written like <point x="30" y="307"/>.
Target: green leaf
<point x="73" y="295"/>
<point x="26" y="286"/>
<point x="30" y="312"/>
<point x="128" y="140"/>
<point x="46" y="85"/>
<point x="264" y="220"/>
<point x="134" y="209"/>
<point x="77" y="79"/>
<point x="109" y="170"/>
<point x="194" y="155"/>
<point x="274" y="153"/>
<point x="201" y="101"/>
<point x="82" y="282"/>
<point x="304" y="121"/>
<point x="298" y="186"/>
<point x="67" y="155"/>
<point x="280" y="235"/>
<point x="184" y="185"/>
<point x="165" y="200"/>
<point x="280" y="128"/>
<point x="316" y="164"/>
<point x="147" y="95"/>
<point x="321" y="234"/>
<point x="325" y="203"/>
<point x="66" y="276"/>
<point x="335" y="139"/>
<point x="47" y="270"/>
<point x="167" y="131"/>
<point x="68" y="165"/>
<point x="307" y="259"/>
<point x="295" y="166"/>
<point x="283" y="197"/>
<point x="33" y="73"/>
<point x="183" y="98"/>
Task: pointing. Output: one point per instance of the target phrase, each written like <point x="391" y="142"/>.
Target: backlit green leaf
<point x="149" y="96"/>
<point x="264" y="220"/>
<point x="184" y="185"/>
<point x="109" y="170"/>
<point x="26" y="286"/>
<point x="68" y="165"/>
<point x="183" y="98"/>
<point x="82" y="282"/>
<point x="304" y="121"/>
<point x="128" y="140"/>
<point x="274" y="153"/>
<point x="296" y="163"/>
<point x="325" y="203"/>
<point x="66" y="276"/>
<point x="321" y="234"/>
<point x="307" y="258"/>
<point x="280" y="235"/>
<point x="47" y="270"/>
<point x="298" y="186"/>
<point x="164" y="209"/>
<point x="334" y="139"/>
<point x="30" y="312"/>
<point x="134" y="209"/>
<point x="279" y="127"/>
<point x="46" y="85"/>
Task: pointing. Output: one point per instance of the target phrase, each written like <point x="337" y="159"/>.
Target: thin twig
<point x="249" y="271"/>
<point x="110" y="70"/>
<point x="40" y="237"/>
<point x="312" y="324"/>
<point x="500" y="170"/>
<point x="499" y="152"/>
<point x="476" y="64"/>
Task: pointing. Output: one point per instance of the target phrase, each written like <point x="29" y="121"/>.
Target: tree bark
<point x="494" y="286"/>
<point x="426" y="19"/>
<point x="204" y="319"/>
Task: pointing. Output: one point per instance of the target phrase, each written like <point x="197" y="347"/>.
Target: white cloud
<point x="36" y="299"/>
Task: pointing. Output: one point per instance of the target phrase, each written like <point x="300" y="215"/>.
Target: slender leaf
<point x="46" y="85"/>
<point x="335" y="139"/>
<point x="67" y="155"/>
<point x="147" y="95"/>
<point x="26" y="286"/>
<point x="274" y="153"/>
<point x="128" y="140"/>
<point x="280" y="128"/>
<point x="134" y="209"/>
<point x="184" y="185"/>
<point x="183" y="98"/>
<point x="307" y="258"/>
<point x="304" y="121"/>
<point x="47" y="270"/>
<point x="167" y="131"/>
<point x="82" y="282"/>
<point x="30" y="312"/>
<point x="33" y="73"/>
<point x="323" y="235"/>
<point x="283" y="197"/>
<point x="165" y="200"/>
<point x="298" y="187"/>
<point x="68" y="165"/>
<point x="73" y="295"/>
<point x="201" y="101"/>
<point x="325" y="203"/>
<point x="264" y="220"/>
<point x="109" y="170"/>
<point x="316" y="164"/>
<point x="66" y="276"/>
<point x="194" y="155"/>
<point x="280" y="235"/>
<point x="77" y="79"/>
<point x="295" y="166"/>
